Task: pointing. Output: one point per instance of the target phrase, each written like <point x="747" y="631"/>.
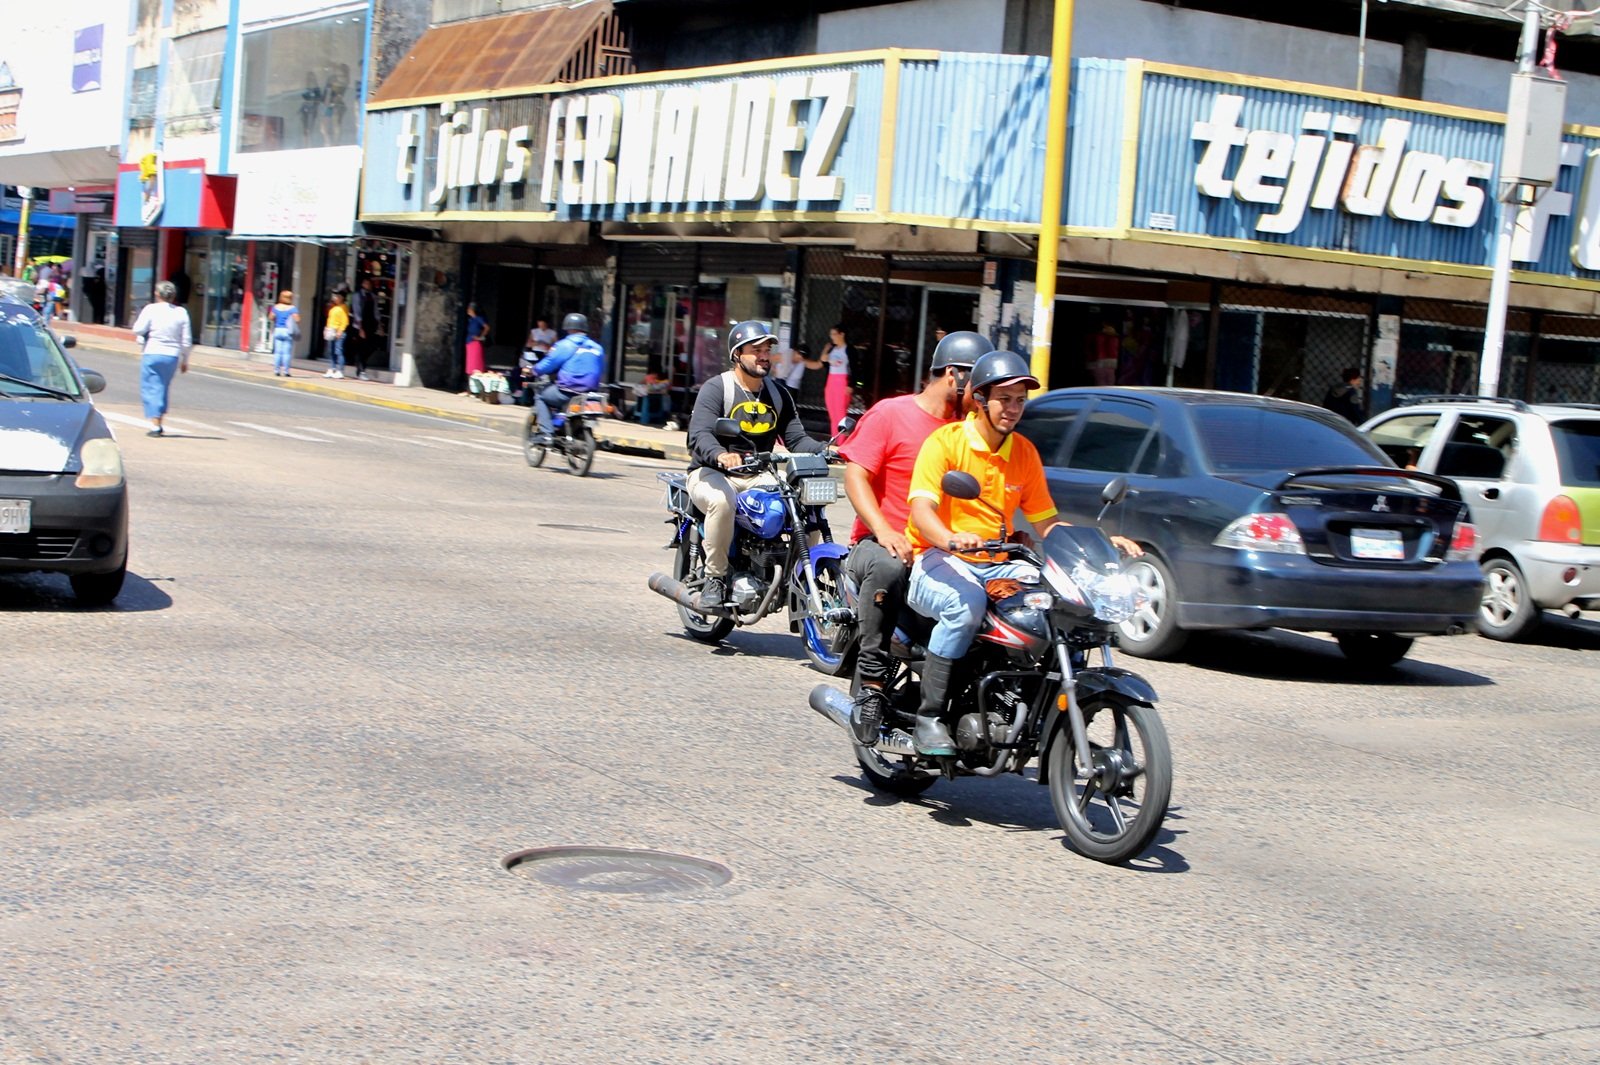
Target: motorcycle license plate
<point x="1383" y="544"/>
<point x="16" y="515"/>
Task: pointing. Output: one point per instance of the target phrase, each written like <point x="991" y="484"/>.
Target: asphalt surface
<point x="258" y="811"/>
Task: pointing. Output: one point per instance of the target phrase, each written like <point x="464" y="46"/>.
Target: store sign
<point x="152" y="187"/>
<point x="1326" y="167"/>
<point x="86" y="54"/>
<point x="735" y="141"/>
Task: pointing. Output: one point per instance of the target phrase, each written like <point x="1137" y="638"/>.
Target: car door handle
<point x="1490" y="493"/>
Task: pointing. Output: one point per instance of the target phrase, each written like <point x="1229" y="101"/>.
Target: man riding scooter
<point x="577" y="361"/>
<point x="949" y="578"/>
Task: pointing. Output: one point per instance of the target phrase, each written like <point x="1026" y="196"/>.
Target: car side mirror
<point x="93" y="380"/>
<point x="727" y="431"/>
<point x="69" y="341"/>
<point x="958" y="484"/>
<point x="1114" y="491"/>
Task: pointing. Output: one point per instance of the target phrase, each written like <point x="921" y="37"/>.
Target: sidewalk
<point x="380" y="392"/>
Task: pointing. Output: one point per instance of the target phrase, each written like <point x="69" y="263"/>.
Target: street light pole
<point x="1055" y="167"/>
<point x="1494" y="330"/>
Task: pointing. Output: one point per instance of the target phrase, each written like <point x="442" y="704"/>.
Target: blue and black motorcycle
<point x="783" y="554"/>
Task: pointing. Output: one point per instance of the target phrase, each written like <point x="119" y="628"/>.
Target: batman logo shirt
<point x="754" y="417"/>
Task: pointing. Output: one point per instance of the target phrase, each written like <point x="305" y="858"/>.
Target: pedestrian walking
<point x="333" y="333"/>
<point x="837" y="395"/>
<point x="1345" y="397"/>
<point x="285" y="331"/>
<point x="364" y="319"/>
<point x="477" y="331"/>
<point x="163" y="328"/>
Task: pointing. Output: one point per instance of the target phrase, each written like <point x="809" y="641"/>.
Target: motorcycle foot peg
<point x="839" y="616"/>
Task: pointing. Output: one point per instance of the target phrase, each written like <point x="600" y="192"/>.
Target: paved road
<point x="258" y="811"/>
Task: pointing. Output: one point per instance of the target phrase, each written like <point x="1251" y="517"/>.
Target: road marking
<point x="123" y="419"/>
<point x="280" y="432"/>
<point x="391" y="438"/>
<point x="498" y="449"/>
<point x="324" y="432"/>
<point x="189" y="423"/>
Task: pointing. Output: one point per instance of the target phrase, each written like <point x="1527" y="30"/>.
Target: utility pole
<point x="21" y="256"/>
<point x="1514" y="189"/>
<point x="1055" y="168"/>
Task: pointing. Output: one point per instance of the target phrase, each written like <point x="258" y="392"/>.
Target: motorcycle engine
<point x="746" y="592"/>
<point x="976" y="731"/>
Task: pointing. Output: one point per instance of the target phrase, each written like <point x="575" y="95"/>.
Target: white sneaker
<point x="337" y="375"/>
<point x="328" y="374"/>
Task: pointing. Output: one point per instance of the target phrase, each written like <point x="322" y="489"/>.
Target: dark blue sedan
<point x="1258" y="513"/>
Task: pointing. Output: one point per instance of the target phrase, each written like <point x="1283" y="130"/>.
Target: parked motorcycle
<point x="573" y="434"/>
<point x="1027" y="691"/>
<point x="783" y="553"/>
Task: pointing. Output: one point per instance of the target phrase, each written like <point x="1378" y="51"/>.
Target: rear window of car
<point x="1578" y="452"/>
<point x="1245" y="438"/>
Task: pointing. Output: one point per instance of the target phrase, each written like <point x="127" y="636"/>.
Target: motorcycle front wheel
<point x="580" y="448"/>
<point x="1112" y="809"/>
<point x="687" y="565"/>
<point x="818" y="634"/>
<point x="533" y="449"/>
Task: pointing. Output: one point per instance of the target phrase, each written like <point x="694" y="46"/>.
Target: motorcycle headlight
<point x="1038" y="600"/>
<point x="818" y="491"/>
<point x="102" y="464"/>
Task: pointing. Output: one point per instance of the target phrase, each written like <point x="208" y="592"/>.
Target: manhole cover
<point x="579" y="528"/>
<point x="619" y="870"/>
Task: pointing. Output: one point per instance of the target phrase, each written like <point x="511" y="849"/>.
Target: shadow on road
<point x="1566" y="634"/>
<point x="40" y="592"/>
<point x="1293" y="656"/>
<point x="744" y="643"/>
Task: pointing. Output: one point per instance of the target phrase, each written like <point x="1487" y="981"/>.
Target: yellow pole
<point x="22" y="232"/>
<point x="1055" y="167"/>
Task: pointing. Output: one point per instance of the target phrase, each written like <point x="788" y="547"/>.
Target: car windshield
<point x="1578" y="451"/>
<point x="28" y="353"/>
<point x="1245" y="439"/>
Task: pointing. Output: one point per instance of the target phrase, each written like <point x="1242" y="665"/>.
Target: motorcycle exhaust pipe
<point x="835" y="705"/>
<point x="674" y="589"/>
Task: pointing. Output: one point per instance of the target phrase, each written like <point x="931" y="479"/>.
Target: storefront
<point x="170" y="216"/>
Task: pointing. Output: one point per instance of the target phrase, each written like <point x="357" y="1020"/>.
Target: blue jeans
<point x="951" y="592"/>
<point x="282" y="350"/>
<point x="553" y="396"/>
<point x="155" y="377"/>
<point x="336" y="353"/>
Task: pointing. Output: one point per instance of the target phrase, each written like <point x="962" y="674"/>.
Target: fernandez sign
<point x="771" y="141"/>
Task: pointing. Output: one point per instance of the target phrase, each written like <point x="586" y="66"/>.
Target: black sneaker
<point x="713" y="594"/>
<point x="866" y="715"/>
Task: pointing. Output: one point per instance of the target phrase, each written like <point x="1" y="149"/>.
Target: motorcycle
<point x="1026" y="690"/>
<point x="573" y="434"/>
<point x="783" y="553"/>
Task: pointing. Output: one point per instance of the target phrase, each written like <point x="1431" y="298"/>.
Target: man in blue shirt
<point x="577" y="363"/>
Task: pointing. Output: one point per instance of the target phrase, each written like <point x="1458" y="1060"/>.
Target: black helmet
<point x="959" y="349"/>
<point x="750" y="332"/>
<point x="1000" y="368"/>
<point x="575" y="323"/>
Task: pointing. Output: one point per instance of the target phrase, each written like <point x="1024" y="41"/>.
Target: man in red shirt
<point x="880" y="455"/>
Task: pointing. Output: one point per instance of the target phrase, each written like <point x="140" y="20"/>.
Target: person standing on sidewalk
<point x="838" y="394"/>
<point x="285" y="329"/>
<point x="364" y="317"/>
<point x="477" y="333"/>
<point x="163" y="327"/>
<point x="333" y="333"/>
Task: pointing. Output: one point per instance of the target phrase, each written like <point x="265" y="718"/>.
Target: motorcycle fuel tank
<point x="1014" y="626"/>
<point x="761" y="512"/>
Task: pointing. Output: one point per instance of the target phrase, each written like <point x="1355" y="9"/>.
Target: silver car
<point x="1531" y="474"/>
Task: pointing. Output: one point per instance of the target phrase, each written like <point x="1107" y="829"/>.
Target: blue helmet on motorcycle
<point x="751" y="332"/>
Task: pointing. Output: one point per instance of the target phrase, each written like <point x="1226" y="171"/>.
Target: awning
<point x="186" y="198"/>
<point x="58" y="170"/>
<point x="509" y="52"/>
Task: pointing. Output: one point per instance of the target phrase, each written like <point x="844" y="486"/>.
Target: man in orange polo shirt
<point x="948" y="580"/>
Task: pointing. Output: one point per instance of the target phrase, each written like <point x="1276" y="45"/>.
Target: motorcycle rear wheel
<point x="580" y="448"/>
<point x="1112" y="816"/>
<point x="817" y="634"/>
<point x="533" y="449"/>
<point x="689" y="564"/>
<point x="897" y="777"/>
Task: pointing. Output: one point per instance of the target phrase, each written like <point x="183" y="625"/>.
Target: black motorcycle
<point x="783" y="552"/>
<point x="1026" y="690"/>
<point x="573" y="436"/>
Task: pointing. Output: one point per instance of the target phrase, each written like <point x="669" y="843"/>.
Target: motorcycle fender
<point x="1088" y="683"/>
<point x="828" y="550"/>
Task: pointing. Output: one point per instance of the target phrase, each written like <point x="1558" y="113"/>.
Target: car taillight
<point x="1561" y="523"/>
<point x="1262" y="532"/>
<point x="1464" y="544"/>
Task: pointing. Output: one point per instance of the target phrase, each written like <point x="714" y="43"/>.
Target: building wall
<point x="951" y="25"/>
<point x="438" y="314"/>
<point x="50" y="116"/>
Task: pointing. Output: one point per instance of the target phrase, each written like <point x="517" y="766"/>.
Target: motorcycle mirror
<point x="1114" y="491"/>
<point x="959" y="484"/>
<point x="727" y="430"/>
<point x="846" y="425"/>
